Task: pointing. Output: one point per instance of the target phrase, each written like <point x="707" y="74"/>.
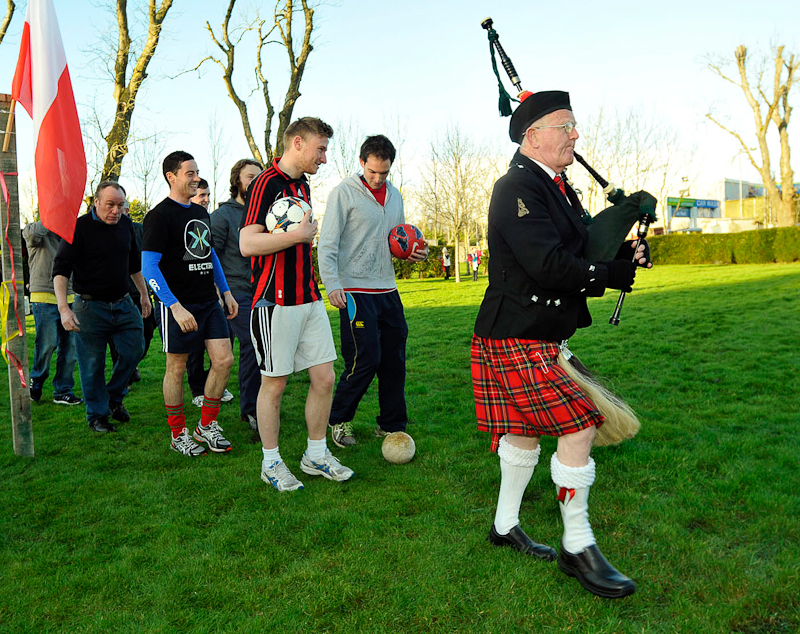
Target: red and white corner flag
<point x="42" y="86"/>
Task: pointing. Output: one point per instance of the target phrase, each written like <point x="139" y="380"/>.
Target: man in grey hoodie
<point x="225" y="224"/>
<point x="356" y="267"/>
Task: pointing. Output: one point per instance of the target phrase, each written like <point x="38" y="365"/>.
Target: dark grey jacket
<point x="225" y="223"/>
<point x="42" y="247"/>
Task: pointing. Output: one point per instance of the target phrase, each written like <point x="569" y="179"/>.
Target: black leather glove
<point x="620" y="275"/>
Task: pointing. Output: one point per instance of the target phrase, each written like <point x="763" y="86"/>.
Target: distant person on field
<point x="225" y="224"/>
<point x="475" y="262"/>
<point x="196" y="372"/>
<point x="102" y="258"/>
<point x="182" y="268"/>
<point x="288" y="323"/>
<point x="356" y="267"/>
<point x="446" y="263"/>
<point x="50" y="333"/>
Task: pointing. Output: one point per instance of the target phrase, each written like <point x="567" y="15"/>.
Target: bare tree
<point x="343" y="151"/>
<point x="227" y="41"/>
<point x="635" y="151"/>
<point x="453" y="184"/>
<point x="10" y="6"/>
<point x="147" y="152"/>
<point x="29" y="199"/>
<point x="94" y="144"/>
<point x="218" y="148"/>
<point x="778" y="112"/>
<point x="127" y="85"/>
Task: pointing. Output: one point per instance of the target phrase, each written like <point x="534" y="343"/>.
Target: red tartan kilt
<point x="520" y="389"/>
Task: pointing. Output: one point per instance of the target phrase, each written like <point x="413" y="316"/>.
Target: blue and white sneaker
<point x="278" y="475"/>
<point x="329" y="467"/>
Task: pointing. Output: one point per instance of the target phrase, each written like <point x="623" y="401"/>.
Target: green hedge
<point x="432" y="267"/>
<point x="748" y="247"/>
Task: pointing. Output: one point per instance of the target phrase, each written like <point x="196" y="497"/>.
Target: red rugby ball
<point x="404" y="240"/>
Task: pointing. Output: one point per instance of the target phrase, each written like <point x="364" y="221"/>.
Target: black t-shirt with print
<point x="183" y="236"/>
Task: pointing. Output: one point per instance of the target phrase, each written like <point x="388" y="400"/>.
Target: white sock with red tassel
<point x="572" y="488"/>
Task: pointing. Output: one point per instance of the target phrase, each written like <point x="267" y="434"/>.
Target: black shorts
<point x="211" y="324"/>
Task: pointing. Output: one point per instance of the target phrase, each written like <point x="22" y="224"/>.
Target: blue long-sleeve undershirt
<point x="155" y="278"/>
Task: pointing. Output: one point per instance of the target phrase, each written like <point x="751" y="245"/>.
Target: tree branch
<point x="10" y="6"/>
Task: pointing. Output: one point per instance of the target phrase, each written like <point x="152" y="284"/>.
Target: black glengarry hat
<point x="534" y="106"/>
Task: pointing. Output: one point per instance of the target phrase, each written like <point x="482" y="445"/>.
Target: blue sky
<point x="427" y="64"/>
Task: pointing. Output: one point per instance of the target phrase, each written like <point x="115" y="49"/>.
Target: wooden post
<point x="19" y="396"/>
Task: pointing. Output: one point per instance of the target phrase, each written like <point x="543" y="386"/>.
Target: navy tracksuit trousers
<point x="373" y="333"/>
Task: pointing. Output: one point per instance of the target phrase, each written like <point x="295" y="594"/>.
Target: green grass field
<point x="117" y="533"/>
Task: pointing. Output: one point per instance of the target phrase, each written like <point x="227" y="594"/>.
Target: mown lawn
<point x="118" y="533"/>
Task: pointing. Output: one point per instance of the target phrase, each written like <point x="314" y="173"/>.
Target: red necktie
<point x="560" y="182"/>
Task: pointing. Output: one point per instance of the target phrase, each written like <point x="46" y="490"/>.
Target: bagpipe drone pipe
<point x="607" y="232"/>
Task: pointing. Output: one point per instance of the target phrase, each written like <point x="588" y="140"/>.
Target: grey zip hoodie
<point x="42" y="247"/>
<point x="354" y="240"/>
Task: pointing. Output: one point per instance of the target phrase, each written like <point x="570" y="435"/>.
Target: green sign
<point x="685" y="202"/>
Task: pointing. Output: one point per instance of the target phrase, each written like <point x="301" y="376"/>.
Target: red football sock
<point x="175" y="419"/>
<point x="210" y="410"/>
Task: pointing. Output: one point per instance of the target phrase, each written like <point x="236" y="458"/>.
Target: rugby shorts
<point x="211" y="324"/>
<point x="289" y="339"/>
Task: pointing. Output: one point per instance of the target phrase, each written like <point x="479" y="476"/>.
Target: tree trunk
<point x="125" y="90"/>
<point x="457" y="256"/>
<point x="10" y="6"/>
<point x="19" y="393"/>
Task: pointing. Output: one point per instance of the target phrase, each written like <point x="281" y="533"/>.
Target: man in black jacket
<point x="538" y="285"/>
<point x="101" y="259"/>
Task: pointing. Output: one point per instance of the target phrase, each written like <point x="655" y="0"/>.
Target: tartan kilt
<point x="520" y="389"/>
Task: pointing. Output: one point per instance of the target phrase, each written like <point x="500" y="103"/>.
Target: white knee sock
<point x="516" y="469"/>
<point x="572" y="488"/>
<point x="315" y="449"/>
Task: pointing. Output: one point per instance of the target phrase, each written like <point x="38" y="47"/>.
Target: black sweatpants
<point x="374" y="333"/>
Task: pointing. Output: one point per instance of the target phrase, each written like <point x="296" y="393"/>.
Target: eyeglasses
<point x="569" y="126"/>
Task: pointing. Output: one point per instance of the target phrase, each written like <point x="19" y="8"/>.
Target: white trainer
<point x="183" y="444"/>
<point x="329" y="467"/>
<point x="278" y="475"/>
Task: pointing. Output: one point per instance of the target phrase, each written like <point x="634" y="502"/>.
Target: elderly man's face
<point x="555" y="147"/>
<point x="109" y="205"/>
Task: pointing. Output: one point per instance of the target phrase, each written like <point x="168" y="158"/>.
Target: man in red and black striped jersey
<point x="288" y="322"/>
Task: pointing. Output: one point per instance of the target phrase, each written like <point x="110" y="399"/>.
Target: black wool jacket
<point x="538" y="277"/>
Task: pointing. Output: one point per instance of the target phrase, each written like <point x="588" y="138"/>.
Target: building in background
<point x="737" y="205"/>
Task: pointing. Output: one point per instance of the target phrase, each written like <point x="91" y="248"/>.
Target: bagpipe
<point x="608" y="229"/>
<point x="607" y="232"/>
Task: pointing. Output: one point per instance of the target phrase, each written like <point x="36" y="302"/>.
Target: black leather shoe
<point x="101" y="425"/>
<point x="118" y="412"/>
<point x="594" y="573"/>
<point x="518" y="540"/>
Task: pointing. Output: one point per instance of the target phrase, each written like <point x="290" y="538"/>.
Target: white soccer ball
<point x="398" y="447"/>
<point x="285" y="214"/>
